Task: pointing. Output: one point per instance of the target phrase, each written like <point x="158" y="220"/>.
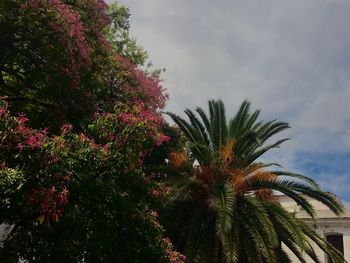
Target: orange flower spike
<point x="264" y="193"/>
<point x="226" y="152"/>
<point x="253" y="168"/>
<point x="177" y="159"/>
<point x="265" y="176"/>
<point x="237" y="179"/>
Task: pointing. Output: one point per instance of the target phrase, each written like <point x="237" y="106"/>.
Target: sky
<point x="290" y="58"/>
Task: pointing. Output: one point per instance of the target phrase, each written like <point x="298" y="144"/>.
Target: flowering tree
<point x="50" y="53"/>
<point x="77" y="192"/>
<point x="77" y="197"/>
<point x="61" y="60"/>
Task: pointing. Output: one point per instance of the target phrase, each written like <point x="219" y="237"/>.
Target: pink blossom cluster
<point x="151" y="88"/>
<point x="22" y="136"/>
<point x="98" y="14"/>
<point x="70" y="28"/>
<point x="77" y="48"/>
<point x="140" y="85"/>
<point x="161" y="138"/>
<point x="133" y="118"/>
<point x="28" y="137"/>
<point x="172" y="255"/>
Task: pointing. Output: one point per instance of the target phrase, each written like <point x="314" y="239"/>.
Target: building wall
<point x="323" y="231"/>
<point x="326" y="223"/>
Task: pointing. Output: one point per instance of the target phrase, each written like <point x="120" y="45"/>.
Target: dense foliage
<point x="78" y="117"/>
<point x="50" y="53"/>
<point x="77" y="198"/>
<point x="225" y="209"/>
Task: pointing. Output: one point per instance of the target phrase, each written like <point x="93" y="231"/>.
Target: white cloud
<point x="335" y="183"/>
<point x="290" y="58"/>
<point x="346" y="204"/>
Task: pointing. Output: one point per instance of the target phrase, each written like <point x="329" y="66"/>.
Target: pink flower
<point x="20" y="146"/>
<point x="45" y="131"/>
<point x="21" y="119"/>
<point x="66" y="128"/>
<point x="34" y="141"/>
<point x="161" y="138"/>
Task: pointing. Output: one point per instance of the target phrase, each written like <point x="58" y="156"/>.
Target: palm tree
<point x="225" y="210"/>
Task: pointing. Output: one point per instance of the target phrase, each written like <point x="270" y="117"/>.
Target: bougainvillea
<point x="59" y="66"/>
<point x="69" y="27"/>
<point x="148" y="86"/>
<point x="51" y="51"/>
<point x="126" y="82"/>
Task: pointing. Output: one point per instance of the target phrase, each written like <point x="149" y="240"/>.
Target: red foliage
<point x="49" y="201"/>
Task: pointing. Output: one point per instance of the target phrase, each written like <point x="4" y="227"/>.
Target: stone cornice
<point x="329" y="222"/>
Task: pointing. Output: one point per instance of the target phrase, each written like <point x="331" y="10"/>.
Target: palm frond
<point x="293" y="248"/>
<point x="271" y="128"/>
<point x="295" y="189"/>
<point x="255" y="220"/>
<point x="251" y="120"/>
<point x="286" y="223"/>
<point x="239" y="120"/>
<point x="225" y="198"/>
<point x="194" y="137"/>
<point x="186" y="128"/>
<point x="259" y="152"/>
<point x="301" y="177"/>
<point x="333" y="253"/>
<point x="231" y="245"/>
<point x="198" y="126"/>
<point x="204" y="118"/>
<point x="218" y="132"/>
<point x="282" y="256"/>
<point x="289" y="188"/>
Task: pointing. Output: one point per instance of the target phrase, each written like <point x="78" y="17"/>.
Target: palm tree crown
<point x="226" y="210"/>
